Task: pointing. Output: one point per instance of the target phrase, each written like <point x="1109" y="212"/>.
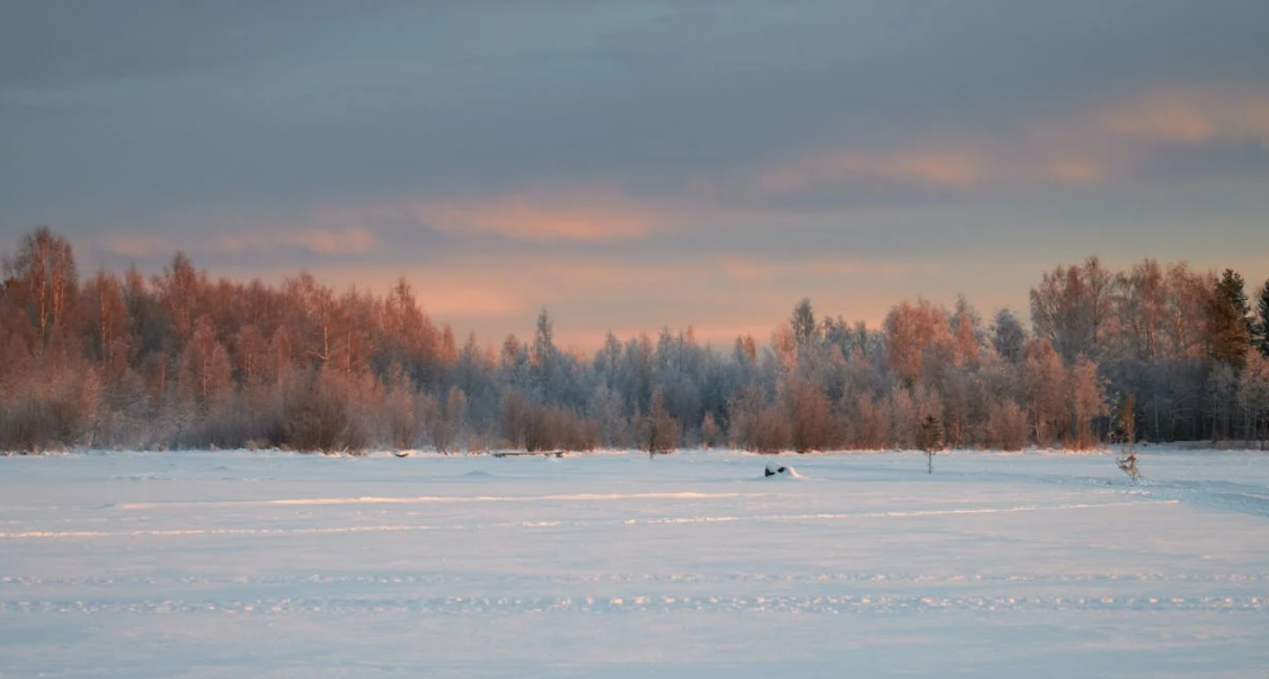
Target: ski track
<point x="393" y="528"/>
<point x="435" y="499"/>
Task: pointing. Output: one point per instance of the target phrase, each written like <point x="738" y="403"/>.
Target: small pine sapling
<point x="930" y="438"/>
<point x="1127" y="458"/>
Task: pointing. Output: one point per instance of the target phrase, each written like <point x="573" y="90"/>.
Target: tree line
<point x="182" y="360"/>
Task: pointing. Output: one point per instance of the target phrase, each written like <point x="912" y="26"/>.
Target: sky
<point x="633" y="165"/>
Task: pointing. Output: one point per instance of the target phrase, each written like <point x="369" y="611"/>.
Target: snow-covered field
<point x="236" y="564"/>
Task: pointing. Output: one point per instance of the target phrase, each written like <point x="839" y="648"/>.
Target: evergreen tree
<point x="930" y="438"/>
<point x="545" y="357"/>
<point x="1228" y="322"/>
<point x="1261" y="336"/>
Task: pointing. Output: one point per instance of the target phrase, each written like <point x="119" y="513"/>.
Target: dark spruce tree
<point x="1261" y="336"/>
<point x="931" y="439"/>
<point x="1228" y="322"/>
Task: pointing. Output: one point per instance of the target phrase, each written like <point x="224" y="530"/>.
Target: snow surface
<point x="237" y="564"/>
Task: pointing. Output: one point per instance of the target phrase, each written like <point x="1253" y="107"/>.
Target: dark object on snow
<point x="772" y="471"/>
<point x="401" y="453"/>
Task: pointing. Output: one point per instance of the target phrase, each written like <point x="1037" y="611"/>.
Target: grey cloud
<point x="137" y="113"/>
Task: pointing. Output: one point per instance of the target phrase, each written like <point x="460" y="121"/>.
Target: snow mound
<point x="776" y="470"/>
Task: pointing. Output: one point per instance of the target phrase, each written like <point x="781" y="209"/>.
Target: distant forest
<point x="183" y="360"/>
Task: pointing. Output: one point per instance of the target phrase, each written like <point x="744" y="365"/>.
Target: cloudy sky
<point x="639" y="163"/>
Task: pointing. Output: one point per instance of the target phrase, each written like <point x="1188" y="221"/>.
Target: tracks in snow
<point x="542" y="524"/>
<point x="636" y="603"/>
<point x="447" y="594"/>
<point x="437" y="499"/>
<point x="646" y="580"/>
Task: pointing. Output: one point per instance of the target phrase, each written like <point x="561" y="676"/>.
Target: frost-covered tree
<point x="545" y="357"/>
<point x="811" y="423"/>
<point x="1141" y="303"/>
<point x="1072" y="308"/>
<point x="401" y="409"/>
<point x="710" y="431"/>
<point x="1189" y="293"/>
<point x="607" y="410"/>
<point x="1006" y="426"/>
<point x="183" y="359"/>
<point x="1046" y="391"/>
<point x="918" y="338"/>
<point x="1008" y="337"/>
<point x="967" y="332"/>
<point x="1222" y="390"/>
<point x="106" y="321"/>
<point x="659" y="433"/>
<point x="803" y="324"/>
<point x="1088" y="402"/>
<point x="1253" y="397"/>
<point x="316" y="415"/>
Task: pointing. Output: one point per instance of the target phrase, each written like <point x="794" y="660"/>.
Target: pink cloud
<point x="1076" y="170"/>
<point x="994" y="163"/>
<point x="1169" y="121"/>
<point x="577" y="214"/>
<point x="1083" y="147"/>
<point x="1191" y="115"/>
